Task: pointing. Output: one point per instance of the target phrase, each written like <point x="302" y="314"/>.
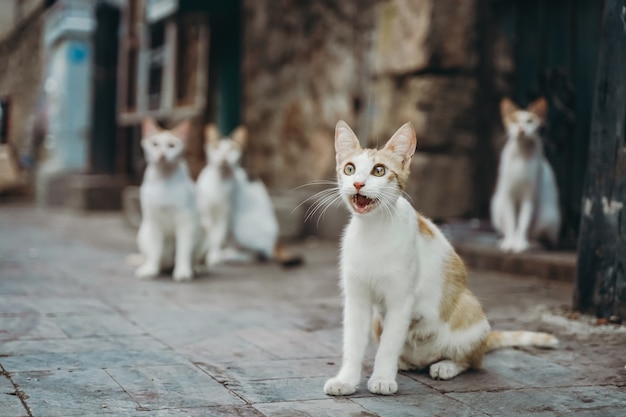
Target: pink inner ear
<point x="182" y="130"/>
<point x="346" y="141"/>
<point x="149" y="127"/>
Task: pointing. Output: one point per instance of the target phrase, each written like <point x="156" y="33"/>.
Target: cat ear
<point x="240" y="135"/>
<point x="211" y="134"/>
<point x="507" y="108"/>
<point x="182" y="130"/>
<point x="346" y="141"/>
<point x="403" y="143"/>
<point x="149" y="127"/>
<point x="539" y="108"/>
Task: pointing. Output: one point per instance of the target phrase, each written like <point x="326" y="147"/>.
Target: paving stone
<point x="288" y="343"/>
<point x="223" y="349"/>
<point x="89" y="344"/>
<point x="559" y="400"/>
<point x="330" y="407"/>
<point x="505" y="369"/>
<point x="255" y="332"/>
<point x="10" y="404"/>
<point x="280" y="369"/>
<point x="416" y="406"/>
<point x="172" y="386"/>
<point x="29" y="326"/>
<point x="97" y="325"/>
<point x="215" y="411"/>
<point x="94" y="359"/>
<point x="53" y="305"/>
<point x="73" y="393"/>
<point x="277" y="390"/>
<point x="294" y="389"/>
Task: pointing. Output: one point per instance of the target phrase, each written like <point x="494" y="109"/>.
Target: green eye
<point x="349" y="169"/>
<point x="379" y="171"/>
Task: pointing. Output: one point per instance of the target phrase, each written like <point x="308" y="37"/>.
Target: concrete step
<point x="476" y="242"/>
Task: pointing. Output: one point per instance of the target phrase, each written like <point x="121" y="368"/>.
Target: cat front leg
<point x="356" y="325"/>
<point x="185" y="246"/>
<point x="393" y="338"/>
<point x="520" y="241"/>
<point x="504" y="211"/>
<point x="217" y="236"/>
<point x="150" y="240"/>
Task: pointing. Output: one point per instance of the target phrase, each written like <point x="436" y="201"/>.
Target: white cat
<point x="525" y="205"/>
<point x="216" y="188"/>
<point x="230" y="202"/>
<point x="170" y="234"/>
<point x="402" y="277"/>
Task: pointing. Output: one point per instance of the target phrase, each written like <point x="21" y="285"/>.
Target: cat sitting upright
<point x="231" y="203"/>
<point x="525" y="205"/>
<point x="401" y="276"/>
<point x="169" y="234"/>
<point x="216" y="189"/>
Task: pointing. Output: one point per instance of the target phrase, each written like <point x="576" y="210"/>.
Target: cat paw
<point x="336" y="386"/>
<point x="382" y="386"/>
<point x="146" y="271"/>
<point x="182" y="274"/>
<point x="444" y="370"/>
<point x="520" y="246"/>
<point x="506" y="245"/>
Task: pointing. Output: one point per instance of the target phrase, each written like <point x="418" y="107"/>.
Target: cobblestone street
<point x="80" y="336"/>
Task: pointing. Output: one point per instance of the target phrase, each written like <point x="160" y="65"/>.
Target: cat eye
<point x="171" y="145"/>
<point x="379" y="171"/>
<point x="349" y="169"/>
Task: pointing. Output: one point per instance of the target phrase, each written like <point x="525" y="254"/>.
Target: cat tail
<point x="497" y="339"/>
<point x="286" y="258"/>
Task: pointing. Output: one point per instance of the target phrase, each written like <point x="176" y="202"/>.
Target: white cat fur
<point x="396" y="263"/>
<point x="525" y="205"/>
<point x="169" y="234"/>
<point x="230" y="202"/>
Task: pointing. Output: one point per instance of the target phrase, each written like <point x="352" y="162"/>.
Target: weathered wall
<point x="376" y="64"/>
<point x="301" y="67"/>
<point x="21" y="74"/>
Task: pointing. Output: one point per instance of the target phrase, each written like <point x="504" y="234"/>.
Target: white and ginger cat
<point x="401" y="277"/>
<point x="216" y="189"/>
<point x="231" y="203"/>
<point x="525" y="205"/>
<point x="170" y="234"/>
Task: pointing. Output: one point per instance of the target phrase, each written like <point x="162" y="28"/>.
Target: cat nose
<point x="358" y="185"/>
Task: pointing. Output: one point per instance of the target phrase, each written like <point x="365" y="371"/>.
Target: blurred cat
<point x="229" y="201"/>
<point x="169" y="234"/>
<point x="525" y="205"/>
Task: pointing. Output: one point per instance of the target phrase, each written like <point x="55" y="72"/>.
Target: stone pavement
<point x="80" y="336"/>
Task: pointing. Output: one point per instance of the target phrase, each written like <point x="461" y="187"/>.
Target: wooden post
<point x="601" y="276"/>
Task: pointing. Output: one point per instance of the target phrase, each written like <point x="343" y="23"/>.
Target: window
<point x="163" y="68"/>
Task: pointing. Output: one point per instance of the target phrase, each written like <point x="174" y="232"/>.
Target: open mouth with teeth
<point x="362" y="204"/>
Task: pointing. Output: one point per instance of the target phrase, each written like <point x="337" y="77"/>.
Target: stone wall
<point x="376" y="64"/>
<point x="302" y="67"/>
<point x="21" y="75"/>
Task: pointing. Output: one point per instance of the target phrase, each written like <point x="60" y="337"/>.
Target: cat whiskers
<point x="386" y="200"/>
<point x="322" y="200"/>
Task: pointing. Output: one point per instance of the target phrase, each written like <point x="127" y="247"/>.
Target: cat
<point x="525" y="204"/>
<point x="401" y="277"/>
<point x="169" y="234"/>
<point x="231" y="203"/>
